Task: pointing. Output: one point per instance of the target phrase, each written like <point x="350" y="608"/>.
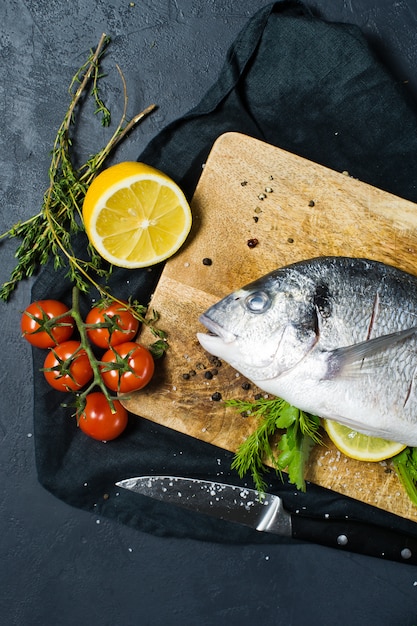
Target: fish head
<point x="263" y="329"/>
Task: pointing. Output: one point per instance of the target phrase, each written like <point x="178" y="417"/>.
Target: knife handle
<point x="356" y="536"/>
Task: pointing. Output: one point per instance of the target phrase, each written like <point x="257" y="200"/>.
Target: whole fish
<point x="333" y="336"/>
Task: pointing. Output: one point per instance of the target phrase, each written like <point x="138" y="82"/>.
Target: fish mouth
<point x="216" y="330"/>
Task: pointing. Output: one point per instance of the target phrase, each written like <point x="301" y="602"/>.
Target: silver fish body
<point x="334" y="336"/>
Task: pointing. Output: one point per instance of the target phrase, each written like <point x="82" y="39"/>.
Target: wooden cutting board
<point x="296" y="210"/>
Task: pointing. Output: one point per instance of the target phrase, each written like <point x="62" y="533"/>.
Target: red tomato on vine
<point x="97" y="419"/>
<point x="115" y="325"/>
<point x="67" y="367"/>
<point x="39" y="330"/>
<point x="127" y="367"/>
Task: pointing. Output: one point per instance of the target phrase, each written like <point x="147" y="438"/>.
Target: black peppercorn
<point x="207" y="261"/>
<point x="216" y="396"/>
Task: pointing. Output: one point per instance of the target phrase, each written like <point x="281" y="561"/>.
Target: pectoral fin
<point x="349" y="360"/>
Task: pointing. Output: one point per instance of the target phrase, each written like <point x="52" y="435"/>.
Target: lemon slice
<point x="135" y="215"/>
<point x="358" y="446"/>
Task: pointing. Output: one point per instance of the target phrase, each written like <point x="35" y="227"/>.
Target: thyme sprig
<point x="299" y="432"/>
<point x="50" y="233"/>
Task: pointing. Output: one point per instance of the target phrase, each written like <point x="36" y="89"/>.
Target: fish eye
<point x="258" y="302"/>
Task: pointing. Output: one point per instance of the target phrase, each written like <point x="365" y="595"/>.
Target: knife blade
<point x="266" y="513"/>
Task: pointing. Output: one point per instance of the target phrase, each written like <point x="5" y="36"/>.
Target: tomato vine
<point x="72" y="365"/>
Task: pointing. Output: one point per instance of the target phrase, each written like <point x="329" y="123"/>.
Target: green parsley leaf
<point x="290" y="454"/>
<point x="405" y="465"/>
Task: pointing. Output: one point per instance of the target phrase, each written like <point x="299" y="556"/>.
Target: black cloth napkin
<point x="310" y="87"/>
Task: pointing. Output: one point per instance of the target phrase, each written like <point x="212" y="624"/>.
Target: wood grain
<point x="296" y="210"/>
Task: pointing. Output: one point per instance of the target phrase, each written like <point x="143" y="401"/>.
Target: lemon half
<point x="358" y="446"/>
<point x="135" y="215"/>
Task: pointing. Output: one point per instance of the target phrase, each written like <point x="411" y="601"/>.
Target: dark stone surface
<point x="63" y="566"/>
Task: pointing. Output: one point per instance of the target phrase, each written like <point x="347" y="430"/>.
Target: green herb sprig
<point x="405" y="465"/>
<point x="285" y="436"/>
<point x="300" y="432"/>
<point x="49" y="233"/>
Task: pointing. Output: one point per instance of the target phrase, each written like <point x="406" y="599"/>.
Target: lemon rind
<point x="353" y="454"/>
<point x="97" y="240"/>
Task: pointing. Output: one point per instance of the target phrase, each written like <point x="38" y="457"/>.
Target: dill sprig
<point x="49" y="233"/>
<point x="290" y="453"/>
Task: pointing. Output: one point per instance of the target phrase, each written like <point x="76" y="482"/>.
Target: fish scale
<point x="333" y="336"/>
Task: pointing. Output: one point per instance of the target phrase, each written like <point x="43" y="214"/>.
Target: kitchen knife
<point x="266" y="513"/>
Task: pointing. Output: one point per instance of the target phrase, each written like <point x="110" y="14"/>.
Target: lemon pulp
<point x="358" y="446"/>
<point x="135" y="215"/>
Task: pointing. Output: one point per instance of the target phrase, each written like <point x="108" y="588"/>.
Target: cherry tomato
<point x="125" y="325"/>
<point x="67" y="367"/>
<point x="37" y="328"/>
<point x="133" y="367"/>
<point x="98" y="421"/>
